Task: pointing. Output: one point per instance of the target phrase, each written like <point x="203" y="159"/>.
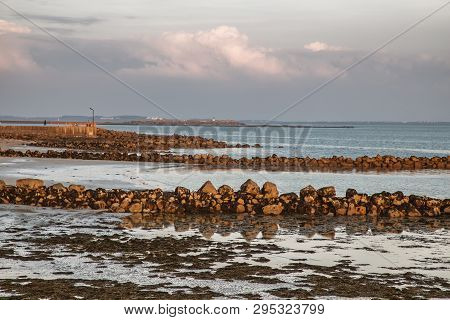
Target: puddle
<point x="85" y="254"/>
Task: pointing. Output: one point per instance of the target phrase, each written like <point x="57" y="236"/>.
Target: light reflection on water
<point x="374" y="245"/>
<point x="398" y="139"/>
<point x="371" y="246"/>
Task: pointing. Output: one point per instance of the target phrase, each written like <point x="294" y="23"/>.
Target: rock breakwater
<point x="274" y="162"/>
<point x="249" y="199"/>
<point x="123" y="141"/>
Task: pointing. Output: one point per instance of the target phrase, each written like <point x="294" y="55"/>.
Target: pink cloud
<point x="321" y="46"/>
<point x="209" y="53"/>
<point x="13" y="56"/>
<point x="11" y="27"/>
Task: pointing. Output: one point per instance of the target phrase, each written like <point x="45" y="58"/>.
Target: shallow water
<point x="398" y="139"/>
<point x="112" y="174"/>
<point x="282" y="254"/>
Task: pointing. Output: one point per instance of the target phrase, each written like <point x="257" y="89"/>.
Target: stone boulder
<point x="225" y="190"/>
<point x="30" y="183"/>
<point x="288" y="197"/>
<point x="327" y="192"/>
<point x="240" y="208"/>
<point x="181" y="191"/>
<point x="58" y="186"/>
<point x="208" y="187"/>
<point x="2" y="185"/>
<point x="274" y="209"/>
<point x="340" y="206"/>
<point x="350" y="193"/>
<point x="308" y="194"/>
<point x="99" y="205"/>
<point x="250" y="187"/>
<point x="446" y="209"/>
<point x="270" y="190"/>
<point x="77" y="188"/>
<point x="135" y="207"/>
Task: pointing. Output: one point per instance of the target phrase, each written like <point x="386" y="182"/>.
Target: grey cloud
<point x="386" y="87"/>
<point x="86" y="21"/>
<point x="61" y="31"/>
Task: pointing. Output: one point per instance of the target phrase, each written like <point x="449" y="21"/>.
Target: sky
<point x="227" y="59"/>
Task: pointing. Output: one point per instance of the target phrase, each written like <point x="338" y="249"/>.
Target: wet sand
<point x="50" y="253"/>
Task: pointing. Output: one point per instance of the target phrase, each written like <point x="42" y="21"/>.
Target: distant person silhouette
<point x="45" y="122"/>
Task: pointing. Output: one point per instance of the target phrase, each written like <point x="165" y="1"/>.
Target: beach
<point x="217" y="254"/>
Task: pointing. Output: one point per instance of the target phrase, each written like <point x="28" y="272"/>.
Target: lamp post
<point x="93" y="116"/>
<point x="94" y="129"/>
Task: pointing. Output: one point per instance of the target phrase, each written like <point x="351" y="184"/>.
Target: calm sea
<point x="361" y="139"/>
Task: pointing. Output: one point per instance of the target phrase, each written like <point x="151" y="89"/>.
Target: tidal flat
<point x="60" y="254"/>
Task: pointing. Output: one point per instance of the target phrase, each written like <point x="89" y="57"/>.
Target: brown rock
<point x="350" y="193"/>
<point x="446" y="210"/>
<point x="99" y="204"/>
<point x="114" y="207"/>
<point x="361" y="210"/>
<point x="182" y="191"/>
<point x="340" y="206"/>
<point x="135" y="207"/>
<point x="373" y="210"/>
<point x="270" y="190"/>
<point x="288" y="197"/>
<point x="351" y="209"/>
<point x="58" y="186"/>
<point x="275" y="209"/>
<point x="394" y="213"/>
<point x="308" y="194"/>
<point x="76" y="187"/>
<point x="125" y="203"/>
<point x="30" y="183"/>
<point x="240" y="208"/>
<point x="327" y="192"/>
<point x="250" y="187"/>
<point x="208" y="187"/>
<point x="2" y="184"/>
<point x="225" y="189"/>
<point x="411" y="211"/>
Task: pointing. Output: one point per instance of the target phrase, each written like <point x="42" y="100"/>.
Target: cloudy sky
<point x="226" y="59"/>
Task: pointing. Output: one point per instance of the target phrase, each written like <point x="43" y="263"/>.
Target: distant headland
<point x="155" y="121"/>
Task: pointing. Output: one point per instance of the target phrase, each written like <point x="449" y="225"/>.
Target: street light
<point x="93" y="115"/>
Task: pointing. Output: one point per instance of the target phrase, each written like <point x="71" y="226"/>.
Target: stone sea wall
<point x="107" y="140"/>
<point x="274" y="162"/>
<point x="67" y="130"/>
<point x="249" y="199"/>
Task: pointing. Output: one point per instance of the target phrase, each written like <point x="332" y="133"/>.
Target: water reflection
<point x="268" y="227"/>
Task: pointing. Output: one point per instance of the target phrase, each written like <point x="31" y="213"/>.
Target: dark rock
<point x="250" y="187"/>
